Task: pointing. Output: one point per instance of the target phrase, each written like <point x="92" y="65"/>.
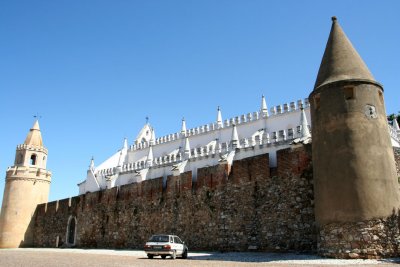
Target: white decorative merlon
<point x="183" y="127"/>
<point x="149" y="160"/>
<point x="91" y="166"/>
<point x="187" y="149"/>
<point x="305" y="132"/>
<point x="264" y="108"/>
<point x="235" y="138"/>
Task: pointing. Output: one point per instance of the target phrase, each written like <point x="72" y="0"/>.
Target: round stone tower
<point x="355" y="180"/>
<point x="27" y="185"/>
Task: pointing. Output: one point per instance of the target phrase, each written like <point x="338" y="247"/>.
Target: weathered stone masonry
<point x="366" y="239"/>
<point x="236" y="208"/>
<point x="246" y="206"/>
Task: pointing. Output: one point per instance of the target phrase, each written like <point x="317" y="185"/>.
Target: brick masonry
<point x="228" y="208"/>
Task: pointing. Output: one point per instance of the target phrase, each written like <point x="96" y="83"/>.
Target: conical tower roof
<point x="341" y="61"/>
<point x="34" y="137"/>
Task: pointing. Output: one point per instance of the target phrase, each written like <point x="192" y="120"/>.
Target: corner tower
<point x="27" y="185"/>
<point x="355" y="180"/>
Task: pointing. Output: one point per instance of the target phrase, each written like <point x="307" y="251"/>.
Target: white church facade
<point x="220" y="142"/>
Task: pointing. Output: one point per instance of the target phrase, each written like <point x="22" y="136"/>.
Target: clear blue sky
<point x="95" y="69"/>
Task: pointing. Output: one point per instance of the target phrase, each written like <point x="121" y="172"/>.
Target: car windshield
<point x="159" y="238"/>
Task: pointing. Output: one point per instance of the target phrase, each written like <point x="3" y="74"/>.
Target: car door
<point x="179" y="245"/>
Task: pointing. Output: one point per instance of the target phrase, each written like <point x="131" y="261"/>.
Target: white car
<point x="166" y="245"/>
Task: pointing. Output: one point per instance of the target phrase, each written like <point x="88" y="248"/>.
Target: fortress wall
<point x="230" y="208"/>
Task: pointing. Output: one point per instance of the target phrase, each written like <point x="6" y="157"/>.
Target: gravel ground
<point x="122" y="258"/>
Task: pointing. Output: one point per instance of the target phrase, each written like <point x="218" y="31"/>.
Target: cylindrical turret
<point x="27" y="185"/>
<point x="354" y="168"/>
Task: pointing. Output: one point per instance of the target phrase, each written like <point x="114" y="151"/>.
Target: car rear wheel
<point x="185" y="254"/>
<point x="163" y="256"/>
<point x="150" y="256"/>
<point x="173" y="256"/>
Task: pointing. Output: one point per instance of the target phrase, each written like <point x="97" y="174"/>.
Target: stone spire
<point x="150" y="157"/>
<point x="187" y="148"/>
<point x="125" y="146"/>
<point x="34" y="137"/>
<point x="264" y="108"/>
<point x="153" y="137"/>
<point x="304" y="131"/>
<point x="122" y="153"/>
<point x="235" y="138"/>
<point x="183" y="128"/>
<point x="341" y="61"/>
<point x="91" y="166"/>
<point x="219" y="118"/>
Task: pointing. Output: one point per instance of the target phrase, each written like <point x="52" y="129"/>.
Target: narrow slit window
<point x="380" y="96"/>
<point x="348" y="92"/>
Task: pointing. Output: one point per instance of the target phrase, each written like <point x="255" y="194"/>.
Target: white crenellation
<point x="285" y="107"/>
<point x="241" y="119"/>
<point x="279" y="109"/>
<point x="205" y="151"/>
<point x="209" y="143"/>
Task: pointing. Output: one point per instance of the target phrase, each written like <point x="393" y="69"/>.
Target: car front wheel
<point x="150" y="256"/>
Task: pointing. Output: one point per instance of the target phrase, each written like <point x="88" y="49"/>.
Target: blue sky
<point x="95" y="69"/>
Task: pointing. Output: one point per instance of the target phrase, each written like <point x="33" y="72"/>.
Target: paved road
<point x="100" y="258"/>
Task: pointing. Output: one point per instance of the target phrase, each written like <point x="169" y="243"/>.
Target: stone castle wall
<point x="246" y="206"/>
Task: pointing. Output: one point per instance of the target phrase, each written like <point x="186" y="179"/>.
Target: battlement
<point x="218" y="211"/>
<point x="291" y="161"/>
<point x="263" y="139"/>
<point x="28" y="173"/>
<point x="32" y="148"/>
<point x="278" y="110"/>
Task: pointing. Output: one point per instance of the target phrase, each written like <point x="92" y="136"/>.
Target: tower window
<point x="380" y="96"/>
<point x="348" y="92"/>
<point x="33" y="160"/>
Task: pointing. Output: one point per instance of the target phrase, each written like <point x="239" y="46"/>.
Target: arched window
<point x="33" y="159"/>
<point x="71" y="231"/>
